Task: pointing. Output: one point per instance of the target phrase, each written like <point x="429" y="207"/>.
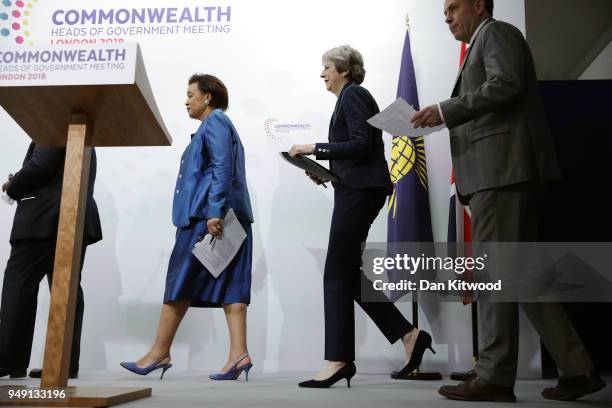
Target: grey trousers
<point x="509" y="214"/>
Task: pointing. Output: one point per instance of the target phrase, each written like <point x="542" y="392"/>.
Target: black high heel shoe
<point x="422" y="343"/>
<point x="347" y="371"/>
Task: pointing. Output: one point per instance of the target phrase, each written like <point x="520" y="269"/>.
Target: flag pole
<point x="418" y="374"/>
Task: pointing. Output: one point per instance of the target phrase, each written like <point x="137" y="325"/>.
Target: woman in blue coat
<point x="211" y="180"/>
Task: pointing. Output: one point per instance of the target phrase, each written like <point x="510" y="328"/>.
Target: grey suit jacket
<point x="498" y="130"/>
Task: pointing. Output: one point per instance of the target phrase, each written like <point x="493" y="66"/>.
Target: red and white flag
<point x="459" y="219"/>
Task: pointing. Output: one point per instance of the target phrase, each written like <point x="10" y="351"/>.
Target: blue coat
<point x="212" y="176"/>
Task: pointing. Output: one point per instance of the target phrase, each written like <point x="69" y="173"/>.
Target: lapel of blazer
<point x="339" y="103"/>
<point x="332" y="121"/>
<point x="467" y="55"/>
<point x="29" y="152"/>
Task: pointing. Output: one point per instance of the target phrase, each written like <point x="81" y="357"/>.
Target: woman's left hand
<point x="215" y="226"/>
<point x="6" y="185"/>
<point x="305" y="149"/>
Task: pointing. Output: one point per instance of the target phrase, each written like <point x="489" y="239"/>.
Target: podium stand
<point x="80" y="109"/>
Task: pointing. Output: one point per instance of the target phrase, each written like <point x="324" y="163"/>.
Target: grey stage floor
<point x="193" y="389"/>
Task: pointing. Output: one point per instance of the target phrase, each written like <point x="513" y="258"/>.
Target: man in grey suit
<point x="502" y="154"/>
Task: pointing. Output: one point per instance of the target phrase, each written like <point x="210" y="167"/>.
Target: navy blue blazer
<point x="355" y="150"/>
<point x="37" y="188"/>
<point x="212" y="176"/>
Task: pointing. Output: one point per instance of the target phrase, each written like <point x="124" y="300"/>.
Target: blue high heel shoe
<point x="136" y="369"/>
<point x="234" y="372"/>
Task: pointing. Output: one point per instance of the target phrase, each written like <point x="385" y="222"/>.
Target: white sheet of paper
<point x="395" y="120"/>
<point x="7" y="199"/>
<point x="216" y="256"/>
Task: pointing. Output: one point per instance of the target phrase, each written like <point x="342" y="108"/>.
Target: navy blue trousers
<point x="354" y="212"/>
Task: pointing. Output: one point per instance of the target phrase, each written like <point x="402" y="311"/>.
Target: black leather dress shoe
<point x="12" y="373"/>
<point x="478" y="389"/>
<point x="37" y="373"/>
<point x="572" y="388"/>
<point x="463" y="376"/>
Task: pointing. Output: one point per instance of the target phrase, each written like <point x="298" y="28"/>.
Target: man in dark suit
<point x="502" y="154"/>
<point x="37" y="188"/>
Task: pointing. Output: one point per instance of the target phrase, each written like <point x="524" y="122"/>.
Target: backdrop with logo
<point x="268" y="53"/>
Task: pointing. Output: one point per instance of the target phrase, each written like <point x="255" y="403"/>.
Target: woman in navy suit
<point x="211" y="180"/>
<point x="356" y="154"/>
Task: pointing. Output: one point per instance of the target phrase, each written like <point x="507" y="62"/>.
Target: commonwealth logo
<point x="407" y="155"/>
<point x="14" y="20"/>
<point x="274" y="128"/>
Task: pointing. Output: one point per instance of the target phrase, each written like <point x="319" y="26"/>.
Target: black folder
<point x="311" y="166"/>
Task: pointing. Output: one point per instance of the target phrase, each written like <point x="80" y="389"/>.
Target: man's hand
<point x="427" y="117"/>
<point x="297" y="150"/>
<point x="215" y="226"/>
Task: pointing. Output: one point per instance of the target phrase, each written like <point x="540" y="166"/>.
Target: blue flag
<point x="409" y="218"/>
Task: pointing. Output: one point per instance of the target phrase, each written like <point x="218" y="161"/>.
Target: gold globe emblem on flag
<point x="407" y="154"/>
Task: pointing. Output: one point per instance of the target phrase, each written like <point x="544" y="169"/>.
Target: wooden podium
<point x="79" y="110"/>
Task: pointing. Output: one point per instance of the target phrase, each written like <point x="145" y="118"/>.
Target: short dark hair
<point x="214" y="86"/>
<point x="489" y="7"/>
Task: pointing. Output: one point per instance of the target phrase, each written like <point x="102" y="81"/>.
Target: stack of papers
<point x="395" y="120"/>
<point x="216" y="253"/>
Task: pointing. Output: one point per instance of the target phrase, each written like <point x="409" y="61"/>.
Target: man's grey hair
<point x="346" y="59"/>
